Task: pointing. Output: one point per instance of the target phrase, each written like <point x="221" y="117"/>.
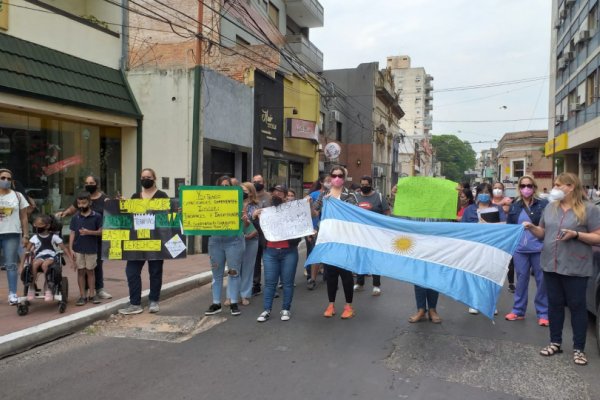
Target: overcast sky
<point x="460" y="43"/>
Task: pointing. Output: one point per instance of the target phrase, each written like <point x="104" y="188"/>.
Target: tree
<point x="456" y="156"/>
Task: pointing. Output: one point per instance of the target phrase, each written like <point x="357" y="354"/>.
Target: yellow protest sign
<point x="115" y="234"/>
<point x="141" y="245"/>
<point x="211" y="210"/>
<point x="142" y="206"/>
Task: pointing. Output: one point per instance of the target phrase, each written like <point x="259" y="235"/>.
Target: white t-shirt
<point x="56" y="240"/>
<point x="10" y="205"/>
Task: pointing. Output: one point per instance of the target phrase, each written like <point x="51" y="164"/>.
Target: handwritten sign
<point x="426" y="197"/>
<point x="288" y="221"/>
<point x="140" y="229"/>
<point x="211" y="210"/>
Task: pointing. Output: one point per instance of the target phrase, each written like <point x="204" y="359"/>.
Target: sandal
<point x="418" y="316"/>
<point x="579" y="357"/>
<point x="551" y="349"/>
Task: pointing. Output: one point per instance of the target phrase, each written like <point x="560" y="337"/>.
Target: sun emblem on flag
<point x="403" y="245"/>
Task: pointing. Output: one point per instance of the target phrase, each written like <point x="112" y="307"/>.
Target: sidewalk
<point x="44" y="323"/>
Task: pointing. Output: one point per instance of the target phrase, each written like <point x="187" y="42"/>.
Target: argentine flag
<point x="467" y="262"/>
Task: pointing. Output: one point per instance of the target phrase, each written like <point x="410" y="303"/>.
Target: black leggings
<point x="332" y="282"/>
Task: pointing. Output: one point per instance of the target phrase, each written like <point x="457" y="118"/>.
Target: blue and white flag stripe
<point x="444" y="256"/>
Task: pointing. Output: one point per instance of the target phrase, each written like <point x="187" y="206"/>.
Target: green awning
<point x="29" y="69"/>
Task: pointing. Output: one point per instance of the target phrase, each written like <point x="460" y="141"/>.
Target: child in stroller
<point x="44" y="243"/>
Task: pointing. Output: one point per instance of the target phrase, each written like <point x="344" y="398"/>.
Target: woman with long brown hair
<point x="251" y="237"/>
<point x="570" y="225"/>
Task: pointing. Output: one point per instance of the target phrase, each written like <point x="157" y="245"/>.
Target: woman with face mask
<point x="251" y="238"/>
<point x="569" y="226"/>
<point x="97" y="197"/>
<point x="133" y="268"/>
<point x="14" y="229"/>
<point x="498" y="197"/>
<point x="333" y="273"/>
<point x="528" y="207"/>
<point x="483" y="201"/>
<point x="323" y="184"/>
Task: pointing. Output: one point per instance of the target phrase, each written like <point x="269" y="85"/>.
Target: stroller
<point x="57" y="283"/>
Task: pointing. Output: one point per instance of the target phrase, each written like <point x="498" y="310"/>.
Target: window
<point x="593" y="20"/>
<point x="338" y="131"/>
<point x="592" y="88"/>
<point x="273" y="14"/>
<point x="518" y="168"/>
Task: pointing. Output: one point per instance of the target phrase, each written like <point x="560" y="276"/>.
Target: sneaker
<point x="131" y="309"/>
<point x="311" y="284"/>
<point x="48" y="296"/>
<point x="543" y="322"/>
<point x="81" y="302"/>
<point x="473" y="311"/>
<point x="96" y="300"/>
<point x="235" y="310"/>
<point x="153" y="307"/>
<point x="265" y="315"/>
<point x="213" y="309"/>
<point x="330" y="311"/>
<point x="286" y="315"/>
<point x="103" y="294"/>
<point x="348" y="312"/>
<point x="511" y="287"/>
<point x="13" y="299"/>
<point x="358" y="288"/>
<point x="376" y="291"/>
<point x="513" y="317"/>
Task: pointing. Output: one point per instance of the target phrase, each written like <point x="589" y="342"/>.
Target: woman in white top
<point x="14" y="228"/>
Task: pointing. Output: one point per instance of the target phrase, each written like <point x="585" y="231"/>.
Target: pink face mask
<point x="527" y="192"/>
<point x="337" y="182"/>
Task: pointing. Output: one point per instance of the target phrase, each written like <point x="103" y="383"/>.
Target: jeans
<point x="279" y="264"/>
<point x="426" y="297"/>
<point x="258" y="266"/>
<point x="567" y="291"/>
<point x="247" y="272"/>
<point x="333" y="273"/>
<point x="10" y="243"/>
<point x="360" y="280"/>
<point x="230" y="250"/>
<point x="524" y="264"/>
<point x="133" y="270"/>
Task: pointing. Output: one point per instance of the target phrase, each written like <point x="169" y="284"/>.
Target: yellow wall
<point x="298" y="93"/>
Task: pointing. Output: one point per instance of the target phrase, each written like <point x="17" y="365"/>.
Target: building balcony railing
<point x="306" y="51"/>
<point x="306" y="13"/>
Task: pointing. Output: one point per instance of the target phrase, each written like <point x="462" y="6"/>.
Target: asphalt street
<point x="180" y="354"/>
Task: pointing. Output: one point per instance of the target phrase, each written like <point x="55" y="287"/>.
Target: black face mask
<point x="84" y="209"/>
<point x="366" y="189"/>
<point x="245" y="196"/>
<point x="147" y="183"/>
<point x="40" y="229"/>
<point x="259" y="187"/>
<point x="276" y="201"/>
<point x="91" y="188"/>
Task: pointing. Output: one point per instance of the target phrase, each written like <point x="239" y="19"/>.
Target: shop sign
<point x="332" y="150"/>
<point x="559" y="143"/>
<point x="4" y="14"/>
<point x="302" y="129"/>
<point x="62" y="165"/>
<point x="269" y="111"/>
<point x="542" y="174"/>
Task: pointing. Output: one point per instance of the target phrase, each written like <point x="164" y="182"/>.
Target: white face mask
<point x="497" y="192"/>
<point x="556" y="195"/>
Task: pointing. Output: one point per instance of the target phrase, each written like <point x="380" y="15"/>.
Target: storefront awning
<point x="559" y="143"/>
<point x="36" y="71"/>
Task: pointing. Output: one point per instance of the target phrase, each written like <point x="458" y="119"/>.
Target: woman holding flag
<point x="340" y="192"/>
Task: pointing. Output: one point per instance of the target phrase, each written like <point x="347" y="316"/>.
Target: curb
<point x="26" y="339"/>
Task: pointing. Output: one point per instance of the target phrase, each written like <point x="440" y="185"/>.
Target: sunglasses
<point x="5" y="178"/>
<point x="337" y="175"/>
<point x="528" y="185"/>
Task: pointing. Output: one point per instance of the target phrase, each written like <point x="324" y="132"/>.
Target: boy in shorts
<point x="86" y="226"/>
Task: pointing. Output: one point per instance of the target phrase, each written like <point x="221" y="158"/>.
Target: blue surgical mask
<point x="483" y="198"/>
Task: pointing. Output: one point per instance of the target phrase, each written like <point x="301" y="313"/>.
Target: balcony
<point x="307" y="52"/>
<point x="306" y="13"/>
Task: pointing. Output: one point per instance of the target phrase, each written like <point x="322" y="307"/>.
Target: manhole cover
<point x="154" y="327"/>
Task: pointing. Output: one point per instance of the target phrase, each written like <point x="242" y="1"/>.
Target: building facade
<point x="415" y="94"/>
<point x="573" y="139"/>
<point x="66" y="110"/>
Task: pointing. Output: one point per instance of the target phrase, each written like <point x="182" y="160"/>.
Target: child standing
<point x="43" y="243"/>
<point x="86" y="226"/>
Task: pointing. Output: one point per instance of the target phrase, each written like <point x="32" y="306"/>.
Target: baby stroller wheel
<point x="22" y="309"/>
<point x="64" y="290"/>
<point x="62" y="306"/>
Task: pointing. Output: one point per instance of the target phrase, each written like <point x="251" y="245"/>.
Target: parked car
<point x="593" y="289"/>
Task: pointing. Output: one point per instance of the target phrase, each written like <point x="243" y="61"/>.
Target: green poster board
<point x="426" y="197"/>
<point x="211" y="210"/>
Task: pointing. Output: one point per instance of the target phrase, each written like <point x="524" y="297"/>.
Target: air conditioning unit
<point x="562" y="63"/>
<point x="584" y="35"/>
<point x="560" y="118"/>
<point x="575" y="107"/>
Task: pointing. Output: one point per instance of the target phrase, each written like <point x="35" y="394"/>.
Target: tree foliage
<point x="456" y="156"/>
